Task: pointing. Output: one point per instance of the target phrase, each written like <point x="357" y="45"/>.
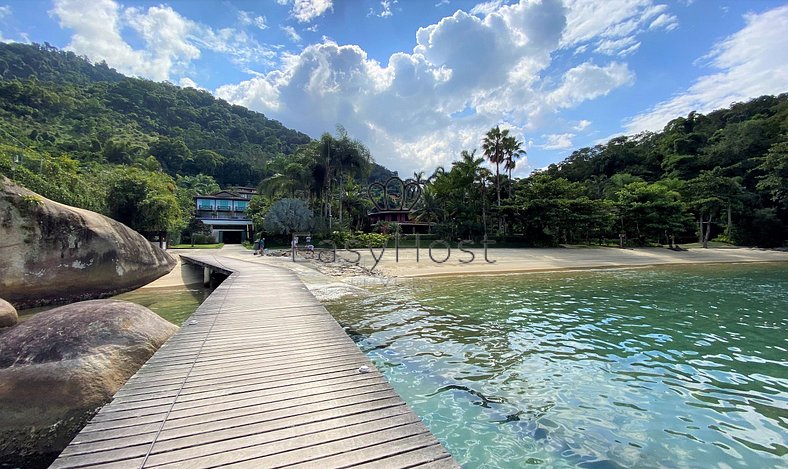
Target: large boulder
<point x="8" y="316"/>
<point x="60" y="366"/>
<point x="53" y="253"/>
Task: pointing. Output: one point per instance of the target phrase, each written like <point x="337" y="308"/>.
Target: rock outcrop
<point x="60" y="366"/>
<point x="8" y="316"/>
<point x="54" y="253"/>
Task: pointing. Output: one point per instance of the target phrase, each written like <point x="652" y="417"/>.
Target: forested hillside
<point x="729" y="167"/>
<point x="55" y="102"/>
<point x="719" y="176"/>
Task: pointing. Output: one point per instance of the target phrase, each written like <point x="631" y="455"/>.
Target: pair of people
<point x="259" y="246"/>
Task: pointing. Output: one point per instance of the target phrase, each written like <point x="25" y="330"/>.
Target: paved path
<point x="259" y="376"/>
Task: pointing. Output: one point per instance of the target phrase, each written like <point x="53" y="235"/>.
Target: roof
<point x="223" y="195"/>
<point x="219" y="221"/>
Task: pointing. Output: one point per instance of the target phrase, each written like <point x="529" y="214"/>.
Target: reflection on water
<point x="174" y="303"/>
<point x="664" y="367"/>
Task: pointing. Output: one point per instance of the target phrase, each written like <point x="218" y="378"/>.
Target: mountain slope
<point x="55" y="102"/>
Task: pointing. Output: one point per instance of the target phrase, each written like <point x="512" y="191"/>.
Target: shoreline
<point x="580" y="269"/>
<point x="518" y="261"/>
<point x="333" y="280"/>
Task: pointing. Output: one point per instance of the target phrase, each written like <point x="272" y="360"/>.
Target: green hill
<point x="57" y="103"/>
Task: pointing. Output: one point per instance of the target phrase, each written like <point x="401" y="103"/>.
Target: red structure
<point x="394" y="202"/>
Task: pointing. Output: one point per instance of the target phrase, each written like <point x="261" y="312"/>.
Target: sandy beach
<point x="328" y="280"/>
<point x="501" y="261"/>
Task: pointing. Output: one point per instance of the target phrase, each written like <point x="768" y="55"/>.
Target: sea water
<point x="683" y="366"/>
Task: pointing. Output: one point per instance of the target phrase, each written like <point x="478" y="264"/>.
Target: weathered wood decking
<point x="260" y="376"/>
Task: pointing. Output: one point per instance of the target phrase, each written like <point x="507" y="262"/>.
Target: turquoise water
<point x="174" y="304"/>
<point x="662" y="367"/>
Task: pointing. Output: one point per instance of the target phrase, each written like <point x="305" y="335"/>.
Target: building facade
<point x="225" y="214"/>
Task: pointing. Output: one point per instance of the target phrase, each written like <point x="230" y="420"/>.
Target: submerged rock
<point x="53" y="253"/>
<point x="60" y="366"/>
<point x="8" y="316"/>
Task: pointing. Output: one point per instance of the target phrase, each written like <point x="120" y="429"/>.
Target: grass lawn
<point x="196" y="246"/>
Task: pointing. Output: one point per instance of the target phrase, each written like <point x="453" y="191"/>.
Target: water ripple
<point x="669" y="367"/>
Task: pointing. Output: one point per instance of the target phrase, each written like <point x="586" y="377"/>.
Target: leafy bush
<point x="359" y="239"/>
<point x="200" y="238"/>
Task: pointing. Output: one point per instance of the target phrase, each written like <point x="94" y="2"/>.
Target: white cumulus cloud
<point x="307" y="10"/>
<point x="486" y="70"/>
<point x="751" y="63"/>
<point x="171" y="41"/>
<point x="589" y="81"/>
<point x="558" y="141"/>
<point x="465" y="74"/>
<point x="187" y="82"/>
<point x="582" y="125"/>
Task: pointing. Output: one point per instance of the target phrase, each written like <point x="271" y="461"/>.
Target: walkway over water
<point x="259" y="376"/>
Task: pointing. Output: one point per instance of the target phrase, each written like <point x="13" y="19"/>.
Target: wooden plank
<point x="205" y="445"/>
<point x="311" y="446"/>
<point x="256" y="378"/>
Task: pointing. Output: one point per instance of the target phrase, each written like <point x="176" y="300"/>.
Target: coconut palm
<point x="418" y="178"/>
<point x="429" y="208"/>
<point x="493" y="147"/>
<point x="513" y="151"/>
<point x="439" y="171"/>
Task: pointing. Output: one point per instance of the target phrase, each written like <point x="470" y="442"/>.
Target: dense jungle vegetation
<point x="85" y="135"/>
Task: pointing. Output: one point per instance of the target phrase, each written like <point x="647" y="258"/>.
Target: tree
<point x="200" y="184"/>
<point x="651" y="211"/>
<point x="144" y="201"/>
<point x="171" y="153"/>
<point x="513" y="151"/>
<point x="205" y="162"/>
<point x="774" y="181"/>
<point x="710" y="194"/>
<point x="493" y="146"/>
<point x="287" y="216"/>
<point x="552" y="211"/>
<point x="345" y="158"/>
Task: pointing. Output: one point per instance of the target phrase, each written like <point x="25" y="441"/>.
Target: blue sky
<point x="420" y="80"/>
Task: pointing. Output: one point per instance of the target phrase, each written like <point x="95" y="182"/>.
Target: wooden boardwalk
<point x="259" y="376"/>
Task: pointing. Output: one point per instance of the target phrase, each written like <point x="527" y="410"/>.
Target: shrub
<point x="203" y="239"/>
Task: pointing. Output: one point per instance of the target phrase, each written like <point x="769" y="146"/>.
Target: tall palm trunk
<point x="498" y="181"/>
<point x="510" y="185"/>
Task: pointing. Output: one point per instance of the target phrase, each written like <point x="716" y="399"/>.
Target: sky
<point x="418" y="81"/>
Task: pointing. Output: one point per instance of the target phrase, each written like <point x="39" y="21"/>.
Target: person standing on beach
<point x="262" y="246"/>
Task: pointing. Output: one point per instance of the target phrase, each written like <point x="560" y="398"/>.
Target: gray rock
<point x="53" y="253"/>
<point x="60" y="366"/>
<point x="8" y="316"/>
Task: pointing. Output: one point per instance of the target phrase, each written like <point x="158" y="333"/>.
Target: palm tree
<point x="513" y="151"/>
<point x="493" y="146"/>
<point x="344" y="158"/>
<point x="468" y="167"/>
<point x="439" y="171"/>
<point x="418" y="178"/>
<point x="429" y="208"/>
